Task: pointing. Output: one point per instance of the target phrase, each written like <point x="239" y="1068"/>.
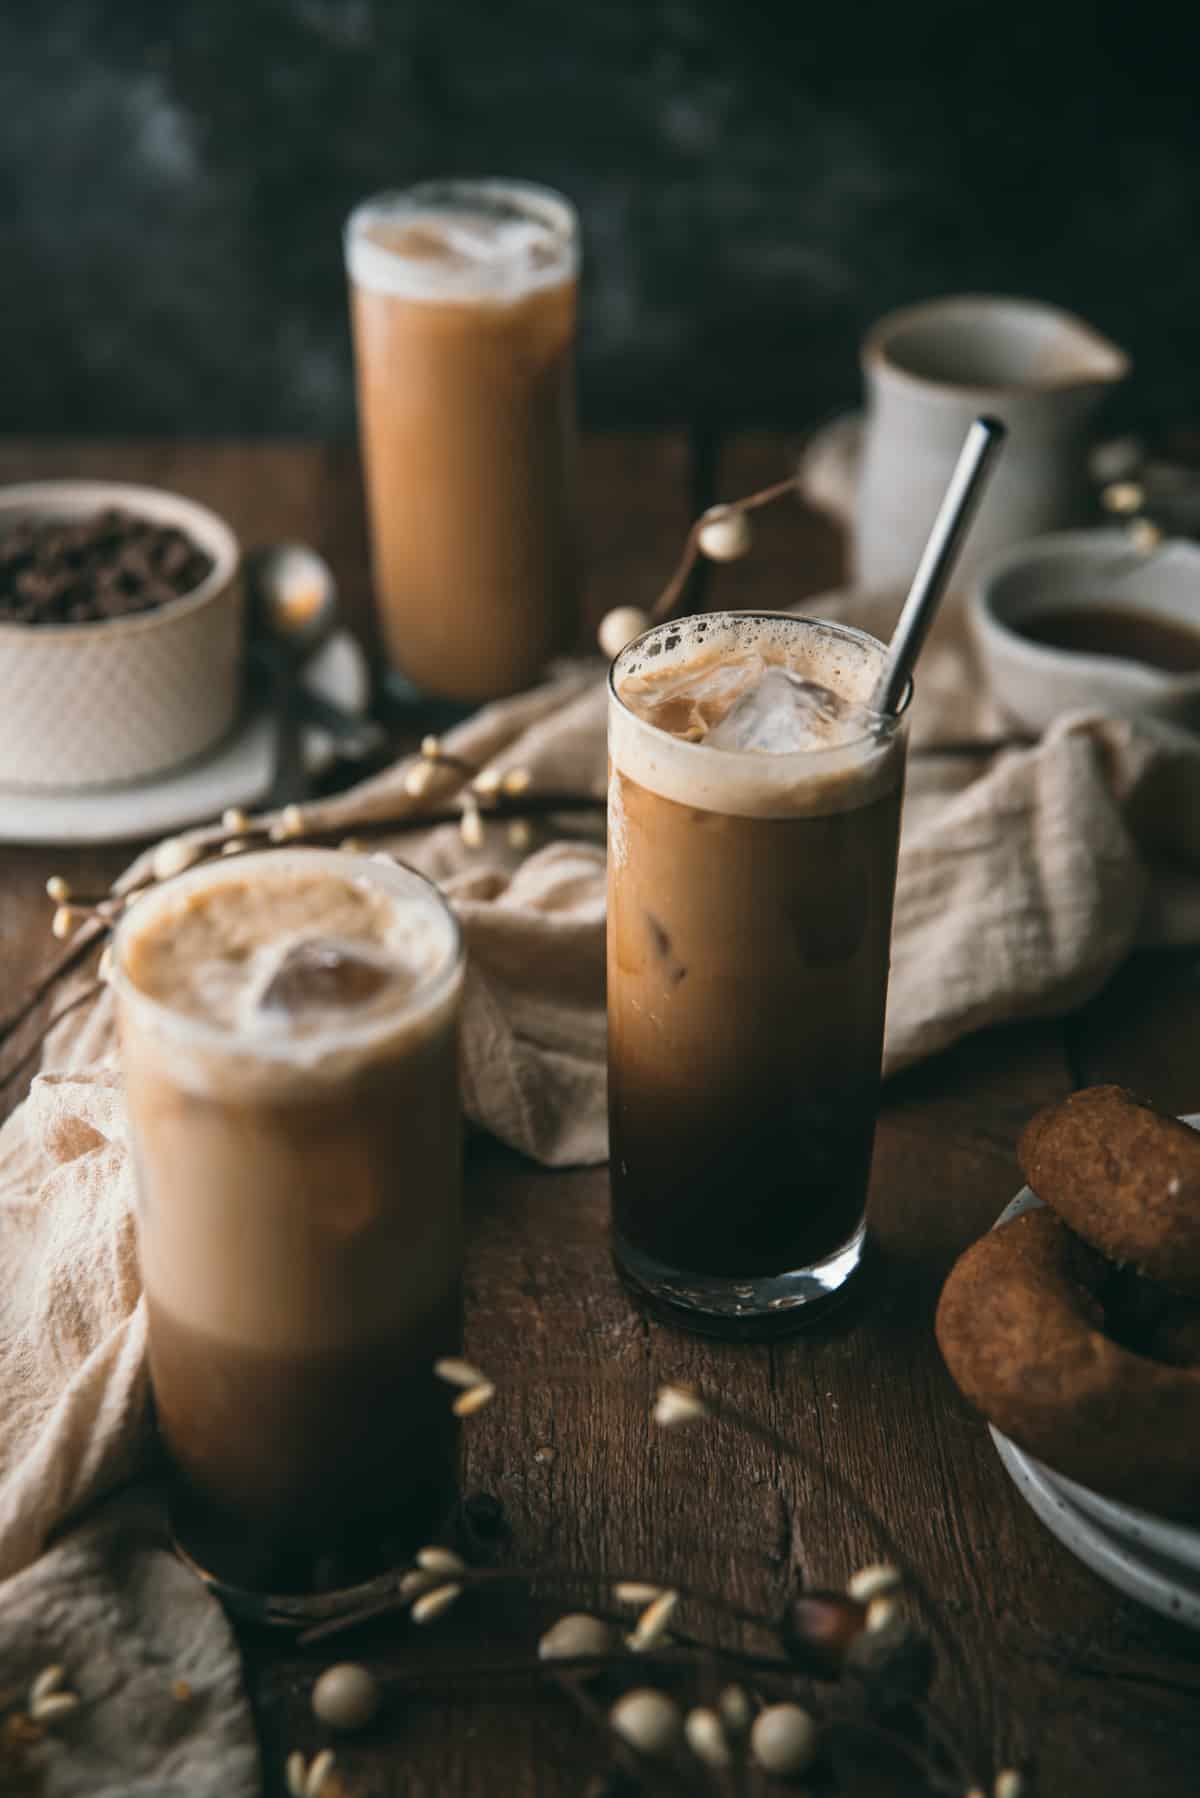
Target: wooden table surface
<point x="1100" y="1694"/>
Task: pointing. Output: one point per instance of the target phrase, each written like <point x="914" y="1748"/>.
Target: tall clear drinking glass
<point x="752" y="866"/>
<point x="463" y="301"/>
<point x="288" y="1029"/>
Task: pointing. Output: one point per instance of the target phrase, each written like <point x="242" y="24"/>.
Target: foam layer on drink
<point x="753" y="716"/>
<point x="291" y="963"/>
<point x="428" y="244"/>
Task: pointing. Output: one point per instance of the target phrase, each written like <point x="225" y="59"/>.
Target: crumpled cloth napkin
<point x="1025" y="877"/>
<point x="150" y="1657"/>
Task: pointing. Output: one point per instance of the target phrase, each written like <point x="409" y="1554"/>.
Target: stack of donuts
<point x="1076" y="1328"/>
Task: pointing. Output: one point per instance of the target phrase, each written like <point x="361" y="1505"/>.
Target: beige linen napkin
<point x="1025" y="877"/>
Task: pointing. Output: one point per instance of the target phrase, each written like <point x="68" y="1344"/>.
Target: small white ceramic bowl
<point x="1035" y="683"/>
<point x="121" y="699"/>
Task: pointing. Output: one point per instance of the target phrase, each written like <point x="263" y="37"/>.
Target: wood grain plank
<point x="1143" y="1030"/>
<point x="567" y="1444"/>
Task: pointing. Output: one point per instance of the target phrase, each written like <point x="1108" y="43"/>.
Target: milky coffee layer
<point x="828" y="775"/>
<point x="299" y="1192"/>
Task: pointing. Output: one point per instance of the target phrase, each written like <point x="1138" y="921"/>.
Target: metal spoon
<point x="293" y="611"/>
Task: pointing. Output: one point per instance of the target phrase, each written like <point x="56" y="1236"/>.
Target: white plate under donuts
<point x="1152" y="1559"/>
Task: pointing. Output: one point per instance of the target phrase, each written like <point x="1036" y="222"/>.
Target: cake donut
<point x="1021" y="1327"/>
<point x="1035" y="1320"/>
<point x="1125" y="1177"/>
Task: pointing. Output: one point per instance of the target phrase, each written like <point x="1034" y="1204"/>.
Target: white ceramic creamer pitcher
<point x="930" y="369"/>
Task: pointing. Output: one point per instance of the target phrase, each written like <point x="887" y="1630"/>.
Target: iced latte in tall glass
<point x="754" y="808"/>
<point x="288" y="1037"/>
<point x="463" y="301"/>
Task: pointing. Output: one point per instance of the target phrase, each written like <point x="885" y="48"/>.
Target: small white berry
<point x="234" y="819"/>
<point x="724" y="535"/>
<point x="783" y="1739"/>
<point x="873" y="1581"/>
<point x="1009" y="1784"/>
<point x="647" y="1720"/>
<point x="418" y="779"/>
<point x="458" y="1373"/>
<point x="345" y="1696"/>
<point x="651" y="1626"/>
<point x="677" y="1404"/>
<point x="441" y="1560"/>
<point x="62" y="923"/>
<point x="470" y="827"/>
<point x="881" y="1612"/>
<point x="235" y="846"/>
<point x="48" y="1680"/>
<point x="292" y="821"/>
<point x="737" y="1713"/>
<point x="431" y="748"/>
<point x="319" y="1770"/>
<point x="520" y="835"/>
<point x="57" y="889"/>
<point x="574" y="1636"/>
<point x="172" y="857"/>
<point x="488" y="781"/>
<point x="1144" y="535"/>
<point x="473" y="1399"/>
<point x="434" y="1603"/>
<point x="414" y="1583"/>
<point x="619" y="627"/>
<point x="1123" y="497"/>
<point x="706" y="1738"/>
<point x="632" y="1591"/>
<point x="517" y="780"/>
<point x="54" y="1705"/>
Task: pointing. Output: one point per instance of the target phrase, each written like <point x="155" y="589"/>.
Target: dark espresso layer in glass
<point x="748" y="962"/>
<point x="281" y="1459"/>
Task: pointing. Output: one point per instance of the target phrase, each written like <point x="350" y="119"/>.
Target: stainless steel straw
<point x="937" y="560"/>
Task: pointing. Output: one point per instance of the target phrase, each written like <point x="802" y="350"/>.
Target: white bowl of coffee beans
<point x="121" y="634"/>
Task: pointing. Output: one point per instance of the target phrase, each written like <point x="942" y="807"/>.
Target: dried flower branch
<point x="722" y="534"/>
<point x="858" y="1638"/>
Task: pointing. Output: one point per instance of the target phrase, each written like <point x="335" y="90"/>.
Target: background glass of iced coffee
<point x="463" y="301"/>
<point x="288" y="1030"/>
<point x="754" y="808"/>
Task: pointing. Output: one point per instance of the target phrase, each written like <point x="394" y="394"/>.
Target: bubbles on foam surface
<point x="822" y="751"/>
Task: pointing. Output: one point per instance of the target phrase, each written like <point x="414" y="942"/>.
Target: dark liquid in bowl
<point x="1107" y="630"/>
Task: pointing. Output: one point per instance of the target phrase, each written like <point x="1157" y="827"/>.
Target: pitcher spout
<point x="993" y="344"/>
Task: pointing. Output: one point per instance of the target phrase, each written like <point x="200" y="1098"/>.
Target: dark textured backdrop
<point x="757" y="179"/>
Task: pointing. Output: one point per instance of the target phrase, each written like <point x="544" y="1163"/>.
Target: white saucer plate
<point x="1134" y="1571"/>
<point x="237" y="773"/>
<point x="1149" y="1558"/>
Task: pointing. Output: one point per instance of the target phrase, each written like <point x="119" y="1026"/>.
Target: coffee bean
<point x="109" y="564"/>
